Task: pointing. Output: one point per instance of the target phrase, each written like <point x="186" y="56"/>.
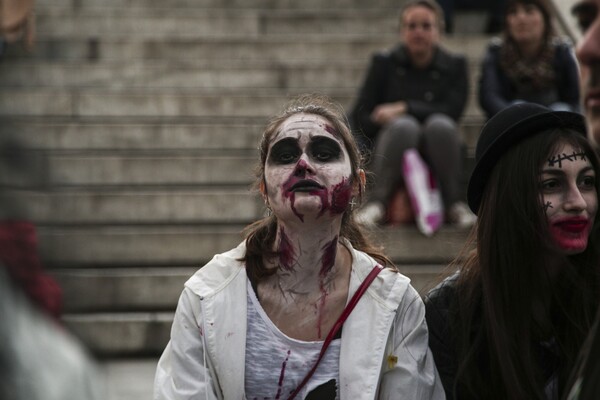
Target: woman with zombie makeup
<point x="262" y="321"/>
<point x="510" y="322"/>
<point x="529" y="63"/>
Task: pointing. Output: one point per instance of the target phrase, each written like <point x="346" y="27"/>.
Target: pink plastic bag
<point x="424" y="194"/>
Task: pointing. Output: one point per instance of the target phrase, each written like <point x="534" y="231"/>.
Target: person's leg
<point x="442" y="148"/>
<point x="386" y="164"/>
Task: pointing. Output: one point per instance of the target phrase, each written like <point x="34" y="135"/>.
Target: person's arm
<point x="413" y="375"/>
<point x="369" y="97"/>
<point x="183" y="371"/>
<point x="491" y="93"/>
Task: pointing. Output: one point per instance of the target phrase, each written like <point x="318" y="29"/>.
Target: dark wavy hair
<point x="260" y="236"/>
<point x="504" y="276"/>
<point x="541" y="5"/>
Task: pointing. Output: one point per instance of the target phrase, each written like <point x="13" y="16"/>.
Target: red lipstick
<point x="572" y="225"/>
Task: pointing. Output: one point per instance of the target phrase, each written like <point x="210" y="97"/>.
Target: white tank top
<point x="276" y="363"/>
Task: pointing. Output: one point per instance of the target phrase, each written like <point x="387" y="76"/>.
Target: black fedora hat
<point x="506" y="129"/>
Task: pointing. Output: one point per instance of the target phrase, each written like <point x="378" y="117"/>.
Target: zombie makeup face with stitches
<point x="307" y="170"/>
<point x="568" y="190"/>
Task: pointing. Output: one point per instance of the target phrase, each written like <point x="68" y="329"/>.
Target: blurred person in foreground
<point x="274" y="317"/>
<point x="412" y="97"/>
<point x="511" y="322"/>
<point x="39" y="358"/>
<point x="585" y="381"/>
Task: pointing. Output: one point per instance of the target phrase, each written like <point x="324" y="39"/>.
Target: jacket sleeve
<point x="414" y="375"/>
<point x="491" y="93"/>
<point x="456" y="87"/>
<point x="183" y="371"/>
<point x="569" y="88"/>
<point x="370" y="95"/>
<point x="437" y="309"/>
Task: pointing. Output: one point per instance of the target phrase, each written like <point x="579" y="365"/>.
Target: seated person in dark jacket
<point x="412" y="97"/>
<point x="510" y="323"/>
<point x="529" y="63"/>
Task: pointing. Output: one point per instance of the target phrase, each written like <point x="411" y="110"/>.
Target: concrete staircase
<point x="148" y="115"/>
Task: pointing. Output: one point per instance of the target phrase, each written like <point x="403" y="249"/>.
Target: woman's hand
<point x="384" y="113"/>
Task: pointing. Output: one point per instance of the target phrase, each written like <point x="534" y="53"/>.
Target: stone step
<point x="185" y="76"/>
<point x="142" y="136"/>
<point x="281" y="48"/>
<point x="210" y="22"/>
<point x="121" y="334"/>
<point x="151" y="103"/>
<point x="159" y="134"/>
<point x="160" y="206"/>
<point x="233" y="4"/>
<point x="171" y="74"/>
<point x="189" y="245"/>
<point x="124" y="246"/>
<point x="122" y="289"/>
<point x="158" y="289"/>
<point x="164" y="170"/>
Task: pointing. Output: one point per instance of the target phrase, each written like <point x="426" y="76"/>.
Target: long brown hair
<point x="541" y="5"/>
<point x="501" y="280"/>
<point x="260" y="236"/>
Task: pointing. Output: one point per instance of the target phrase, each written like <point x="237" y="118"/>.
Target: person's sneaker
<point x="371" y="214"/>
<point x="460" y="215"/>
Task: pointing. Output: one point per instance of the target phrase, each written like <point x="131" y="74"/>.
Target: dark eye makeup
<point x="324" y="149"/>
<point x="286" y="151"/>
<point x="320" y="149"/>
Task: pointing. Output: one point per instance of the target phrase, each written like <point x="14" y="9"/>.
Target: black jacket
<point x="438" y="303"/>
<point x="440" y="88"/>
<point x="440" y="316"/>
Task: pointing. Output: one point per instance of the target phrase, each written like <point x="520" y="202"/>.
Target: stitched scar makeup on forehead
<point x="320" y="148"/>
<point x="558" y="159"/>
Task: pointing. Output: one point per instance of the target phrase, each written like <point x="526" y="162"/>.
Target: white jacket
<point x="205" y="358"/>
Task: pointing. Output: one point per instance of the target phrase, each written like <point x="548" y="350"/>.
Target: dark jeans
<point x="439" y="143"/>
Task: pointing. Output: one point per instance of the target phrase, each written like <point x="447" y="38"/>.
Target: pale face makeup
<point x="568" y="192"/>
<point x="525" y="23"/>
<point x="419" y="31"/>
<point x="587" y="13"/>
<point x="308" y="170"/>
